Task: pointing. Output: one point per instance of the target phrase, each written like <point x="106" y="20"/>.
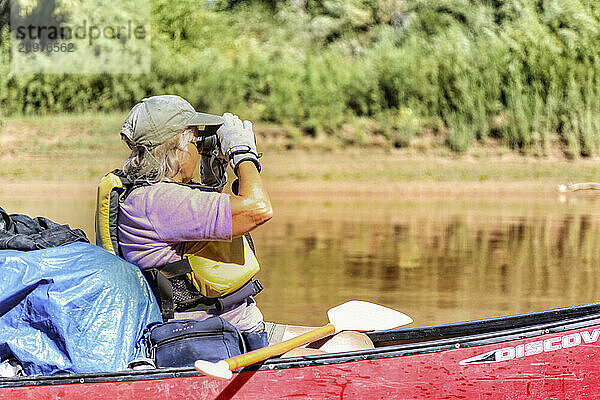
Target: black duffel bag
<point x="180" y="343"/>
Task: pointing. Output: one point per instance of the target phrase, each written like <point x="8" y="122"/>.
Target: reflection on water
<point x="438" y="261"/>
<point x="437" y="265"/>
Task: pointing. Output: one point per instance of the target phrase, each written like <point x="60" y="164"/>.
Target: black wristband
<point x="245" y="157"/>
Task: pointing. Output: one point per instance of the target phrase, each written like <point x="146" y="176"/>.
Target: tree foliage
<point x="526" y="72"/>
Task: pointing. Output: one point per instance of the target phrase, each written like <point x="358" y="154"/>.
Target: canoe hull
<point x="558" y="365"/>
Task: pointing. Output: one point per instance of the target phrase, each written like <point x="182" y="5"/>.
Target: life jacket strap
<point x="159" y="280"/>
<point x="163" y="291"/>
<point x="202" y="303"/>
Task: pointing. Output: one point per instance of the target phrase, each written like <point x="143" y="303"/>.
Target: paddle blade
<point x="219" y="370"/>
<point x="358" y="315"/>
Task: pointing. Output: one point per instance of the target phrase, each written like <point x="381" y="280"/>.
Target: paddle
<point x="351" y="316"/>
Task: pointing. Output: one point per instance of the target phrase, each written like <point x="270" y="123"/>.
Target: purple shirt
<point x="155" y="222"/>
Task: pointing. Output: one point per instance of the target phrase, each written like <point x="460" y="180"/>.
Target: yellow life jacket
<point x="216" y="268"/>
<point x="220" y="268"/>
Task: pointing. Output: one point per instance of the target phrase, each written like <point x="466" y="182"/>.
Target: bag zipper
<point x="187" y="336"/>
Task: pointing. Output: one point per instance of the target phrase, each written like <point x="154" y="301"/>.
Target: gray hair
<point x="140" y="166"/>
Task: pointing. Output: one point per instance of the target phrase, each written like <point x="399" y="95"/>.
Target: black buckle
<point x="258" y="287"/>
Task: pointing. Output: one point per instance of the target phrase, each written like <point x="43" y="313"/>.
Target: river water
<point x="436" y="259"/>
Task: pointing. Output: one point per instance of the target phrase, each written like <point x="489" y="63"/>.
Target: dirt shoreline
<point x="334" y="190"/>
<point x="67" y="155"/>
<point x="307" y="174"/>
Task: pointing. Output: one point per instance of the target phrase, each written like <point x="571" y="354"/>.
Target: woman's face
<point x="188" y="160"/>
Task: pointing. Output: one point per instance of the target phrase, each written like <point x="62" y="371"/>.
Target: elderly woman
<point x="166" y="218"/>
<point x="193" y="234"/>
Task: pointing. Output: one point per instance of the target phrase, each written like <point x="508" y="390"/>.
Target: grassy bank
<point x="464" y="73"/>
<point x="79" y="149"/>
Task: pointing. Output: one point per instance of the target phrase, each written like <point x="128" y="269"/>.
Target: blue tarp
<point x="74" y="308"/>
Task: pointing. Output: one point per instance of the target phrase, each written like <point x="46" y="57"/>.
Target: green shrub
<point x="523" y="71"/>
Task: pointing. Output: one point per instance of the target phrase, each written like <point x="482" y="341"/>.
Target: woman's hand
<point x="238" y="142"/>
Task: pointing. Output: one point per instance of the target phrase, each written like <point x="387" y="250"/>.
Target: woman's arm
<point x="252" y="206"/>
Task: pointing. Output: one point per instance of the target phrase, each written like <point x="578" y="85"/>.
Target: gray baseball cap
<point x="156" y="119"/>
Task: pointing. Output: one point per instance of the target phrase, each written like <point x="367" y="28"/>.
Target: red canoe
<point x="544" y="355"/>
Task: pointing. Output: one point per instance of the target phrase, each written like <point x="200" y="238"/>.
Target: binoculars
<point x="209" y="140"/>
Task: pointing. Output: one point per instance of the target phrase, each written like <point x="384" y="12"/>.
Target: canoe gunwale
<point x="486" y="325"/>
<point x="437" y="345"/>
<point x="481" y="333"/>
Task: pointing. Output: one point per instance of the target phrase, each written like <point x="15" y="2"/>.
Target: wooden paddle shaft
<point x="274" y="350"/>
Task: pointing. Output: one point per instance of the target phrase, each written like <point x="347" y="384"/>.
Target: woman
<point x="162" y="219"/>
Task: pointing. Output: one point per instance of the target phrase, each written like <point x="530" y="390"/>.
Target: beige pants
<point x="344" y="341"/>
